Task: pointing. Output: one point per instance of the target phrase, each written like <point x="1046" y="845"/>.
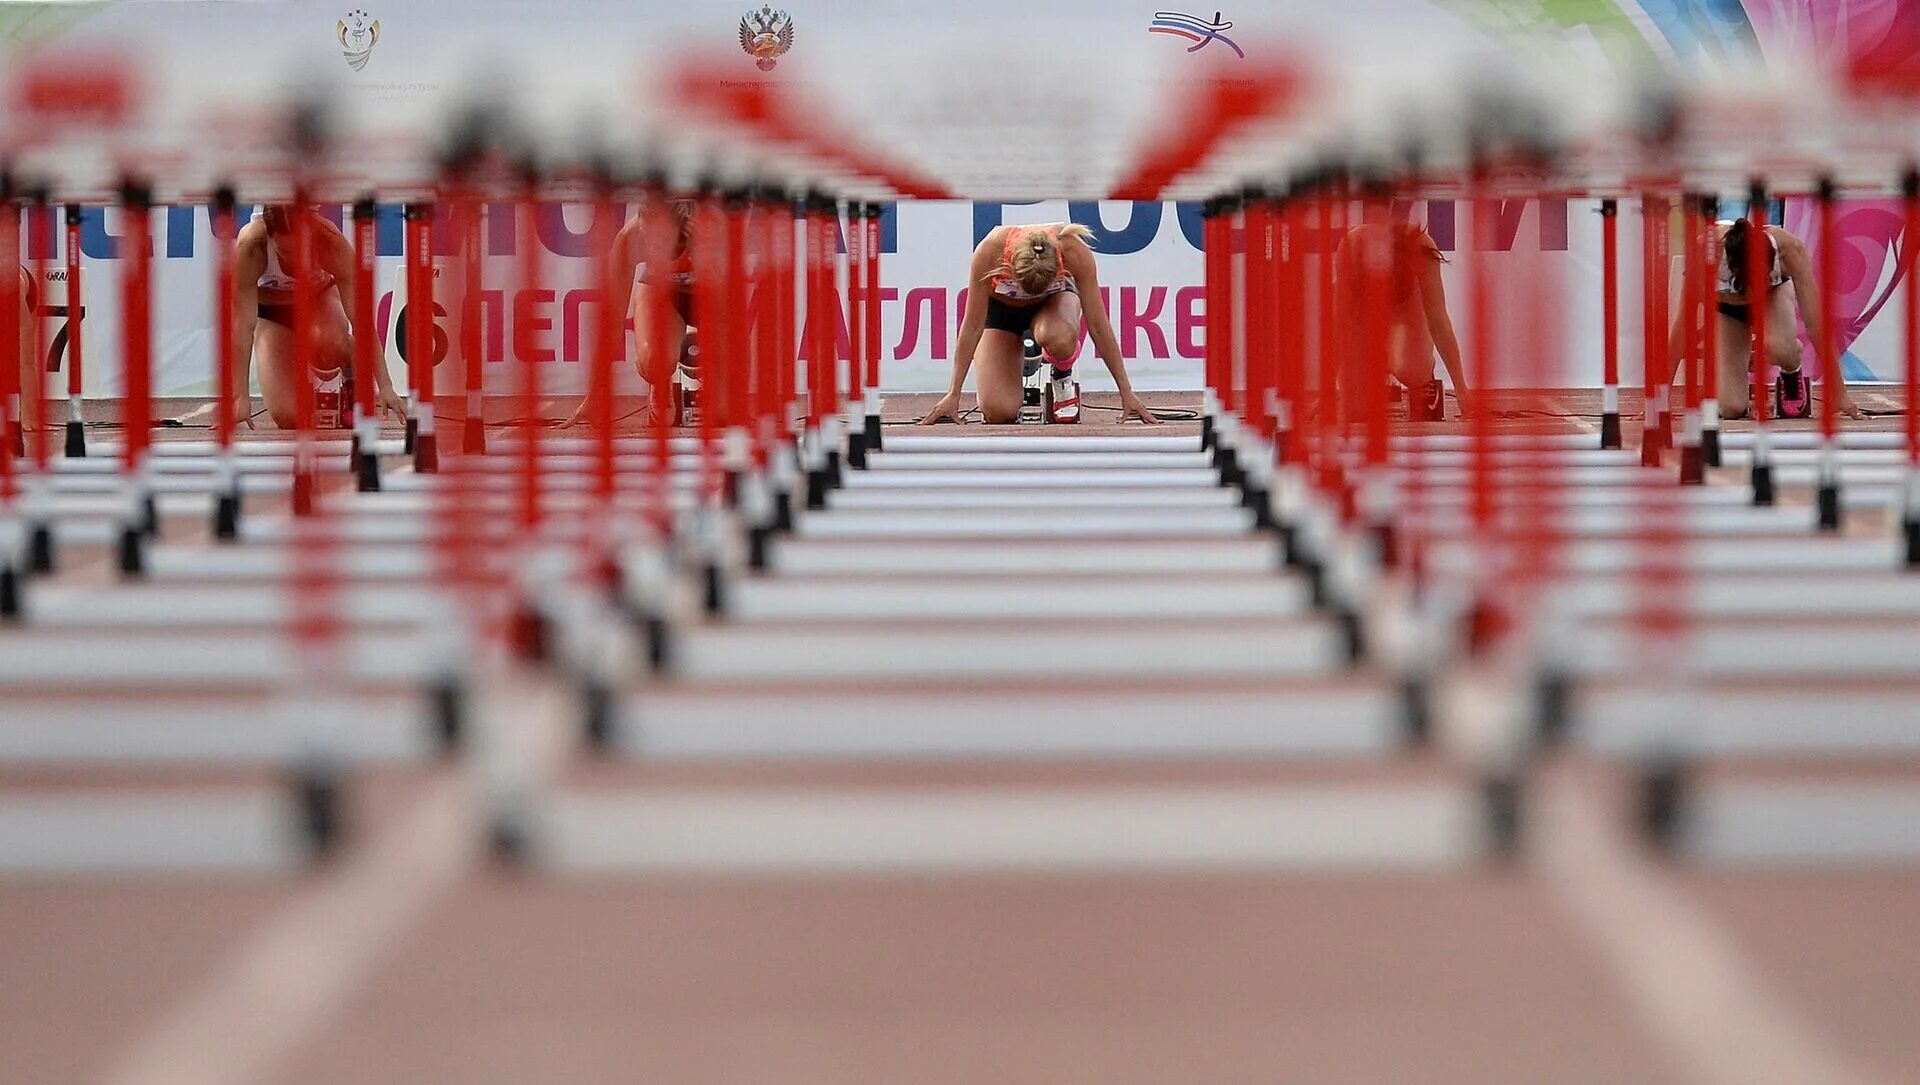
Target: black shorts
<point x="1017" y="319"/>
<point x="281" y="312"/>
<point x="1735" y="309"/>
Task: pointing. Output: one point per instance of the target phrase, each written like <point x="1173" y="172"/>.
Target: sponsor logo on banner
<point x="766" y="35"/>
<point x="1195" y="29"/>
<point x="358" y="33"/>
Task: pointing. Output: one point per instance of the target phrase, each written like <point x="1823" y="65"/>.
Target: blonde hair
<point x="682" y="212"/>
<point x="1032" y="258"/>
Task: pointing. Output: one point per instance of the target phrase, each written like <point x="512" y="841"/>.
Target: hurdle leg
<point x="1910" y="343"/>
<point x="76" y="428"/>
<point x="1827" y="497"/>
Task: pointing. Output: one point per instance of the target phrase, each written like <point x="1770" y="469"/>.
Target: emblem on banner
<point x="358" y="34"/>
<point x="1195" y="29"/>
<point x="766" y="35"/>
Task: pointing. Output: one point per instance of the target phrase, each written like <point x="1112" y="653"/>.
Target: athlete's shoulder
<point x="251" y="239"/>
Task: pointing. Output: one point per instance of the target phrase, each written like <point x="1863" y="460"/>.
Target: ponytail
<point x="1733" y="250"/>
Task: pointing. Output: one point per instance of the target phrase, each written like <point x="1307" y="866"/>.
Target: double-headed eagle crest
<point x="765" y="35"/>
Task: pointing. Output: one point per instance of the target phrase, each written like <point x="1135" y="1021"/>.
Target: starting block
<point x="683" y="392"/>
<point x="333" y="401"/>
<point x="1428" y="403"/>
<point x="1792" y="396"/>
<point x="1053" y="402"/>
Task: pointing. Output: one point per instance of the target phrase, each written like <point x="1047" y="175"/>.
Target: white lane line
<point x="290" y="976"/>
<point x="291" y="973"/>
<point x="1688" y="982"/>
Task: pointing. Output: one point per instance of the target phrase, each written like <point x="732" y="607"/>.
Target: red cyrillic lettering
<point x="532" y="316"/>
<point x="1143" y="321"/>
<point x="1189" y="321"/>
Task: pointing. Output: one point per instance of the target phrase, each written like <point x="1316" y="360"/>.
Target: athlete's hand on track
<point x="948" y="407"/>
<point x="1132" y="405"/>
<point x="391" y="400"/>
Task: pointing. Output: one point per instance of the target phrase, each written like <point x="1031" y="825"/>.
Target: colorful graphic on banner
<point x="1195" y="29"/>
<point x="358" y="34"/>
<point x="1878" y="35"/>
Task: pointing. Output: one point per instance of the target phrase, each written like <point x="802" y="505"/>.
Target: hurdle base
<point x="17" y="437"/>
<point x="529" y="633"/>
<point x="759" y="547"/>
<point x="40" y="559"/>
<point x="510" y="839"/>
<point x="1503" y="796"/>
<point x="1763" y="492"/>
<point x="1610" y="436"/>
<point x="596" y="715"/>
<point x="1353" y="635"/>
<point x="818" y="483"/>
<point x="1228" y="463"/>
<point x="226" y="516"/>
<point x="1256" y="498"/>
<point x="1416" y="702"/>
<point x="447" y="713"/>
<point x="426" y="454"/>
<point x="1206" y="433"/>
<point x="713" y="589"/>
<point x="1693" y="468"/>
<point x="1650" y="448"/>
<point x="658" y="633"/>
<point x="1290" y="555"/>
<point x="413" y="434"/>
<point x="132" y="551"/>
<point x="366" y="470"/>
<point x="1913" y="543"/>
<point x="300" y="492"/>
<point x="322" y="808"/>
<point x="856" y="451"/>
<point x="76" y="440"/>
<point x="11" y="610"/>
<point x="1316" y="573"/>
<point x="782" y="510"/>
<point x="473" y="437"/>
<point x="1553" y="706"/>
<point x="872" y="434"/>
<point x="1828" y="502"/>
<point x="1710" y="446"/>
<point x="1661" y="792"/>
<point x="1386" y="540"/>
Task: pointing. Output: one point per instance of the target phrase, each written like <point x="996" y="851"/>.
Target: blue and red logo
<point x="1195" y="29"/>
